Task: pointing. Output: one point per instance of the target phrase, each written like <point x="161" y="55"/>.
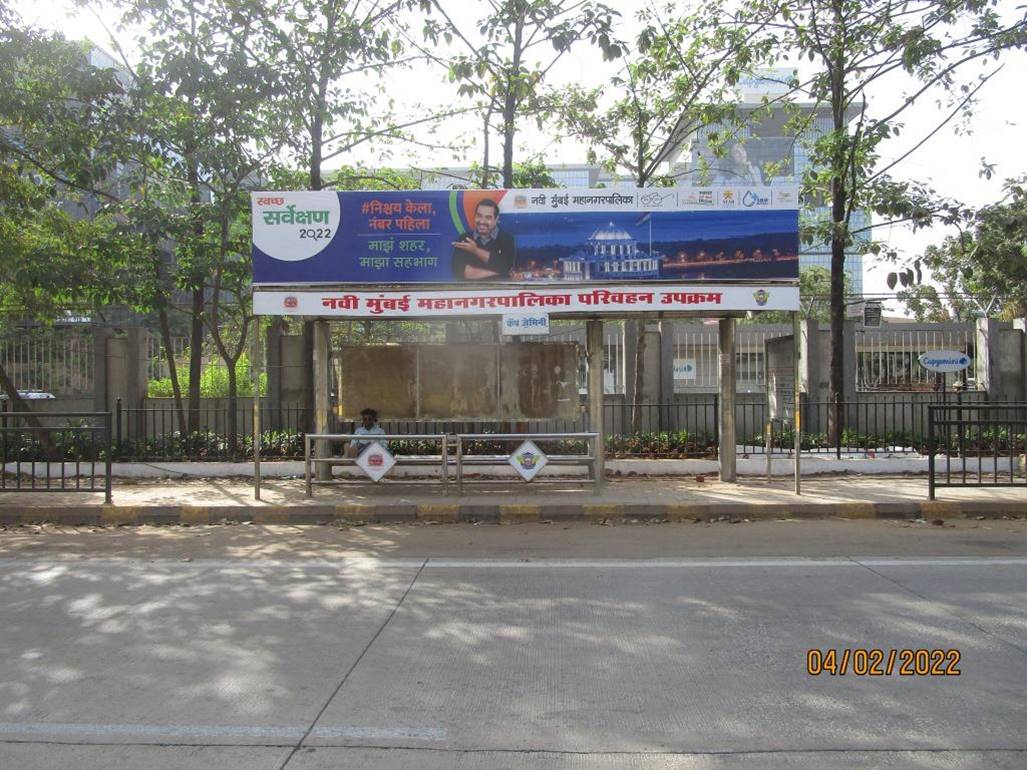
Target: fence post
<point x="594" y="347"/>
<point x="768" y="437"/>
<point x="930" y="452"/>
<point x="308" y="489"/>
<point x="117" y="425"/>
<point x="107" y="465"/>
<point x="727" y="366"/>
<point x="840" y="428"/>
<point x="716" y="422"/>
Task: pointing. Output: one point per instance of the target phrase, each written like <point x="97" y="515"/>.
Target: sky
<point x="950" y="161"/>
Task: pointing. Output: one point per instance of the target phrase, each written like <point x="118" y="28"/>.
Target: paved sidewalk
<point x="203" y="501"/>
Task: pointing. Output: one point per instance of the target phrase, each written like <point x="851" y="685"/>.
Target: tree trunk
<point x="641" y="180"/>
<point x="308" y="375"/>
<point x="31" y="420"/>
<point x="233" y="421"/>
<point x="636" y="396"/>
<point x="510" y="104"/>
<point x="485" y="175"/>
<point x="315" y="180"/>
<point x="195" y="358"/>
<point x="197" y="281"/>
<point x="839" y="203"/>
<point x="169" y="355"/>
<point x="509" y="131"/>
<point x="836" y="411"/>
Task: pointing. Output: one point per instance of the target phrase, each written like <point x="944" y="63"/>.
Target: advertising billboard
<point x="528" y="238"/>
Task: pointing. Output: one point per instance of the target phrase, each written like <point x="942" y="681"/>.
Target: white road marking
<point x="65" y="566"/>
<point x="186" y="732"/>
<point x="706" y="563"/>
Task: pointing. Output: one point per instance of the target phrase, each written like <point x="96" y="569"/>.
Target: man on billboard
<point x="488" y="254"/>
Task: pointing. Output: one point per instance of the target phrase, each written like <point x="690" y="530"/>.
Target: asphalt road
<point x="672" y="646"/>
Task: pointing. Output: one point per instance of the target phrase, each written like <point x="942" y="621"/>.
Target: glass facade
<point x="766" y="154"/>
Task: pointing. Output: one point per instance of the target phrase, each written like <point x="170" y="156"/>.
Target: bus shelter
<point x="524" y="258"/>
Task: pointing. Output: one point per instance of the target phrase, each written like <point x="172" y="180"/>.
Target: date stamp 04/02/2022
<point x="871" y="661"/>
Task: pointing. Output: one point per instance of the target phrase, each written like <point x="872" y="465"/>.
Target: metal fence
<point x="696" y="357"/>
<point x="154" y="434"/>
<point x="980" y="445"/>
<point x="887" y="358"/>
<point x="55" y="452"/>
<point x="57" y="361"/>
<point x="686" y="427"/>
<point x="614" y="364"/>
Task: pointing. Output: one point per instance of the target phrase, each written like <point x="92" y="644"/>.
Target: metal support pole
<point x="445" y="460"/>
<point x="459" y="465"/>
<point x="108" y="492"/>
<point x="594" y="344"/>
<point x="728" y="386"/>
<point x="117" y="425"/>
<point x="930" y="452"/>
<point x="255" y="367"/>
<point x="308" y="486"/>
<point x="797" y="399"/>
<point x="322" y="350"/>
<point x="768" y="436"/>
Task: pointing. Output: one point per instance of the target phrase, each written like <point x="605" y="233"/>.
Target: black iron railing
<point x="55" y="452"/>
<point x="687" y="427"/>
<point x="977" y="445"/>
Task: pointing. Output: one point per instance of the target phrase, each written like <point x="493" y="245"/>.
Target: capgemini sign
<point x="944" y="360"/>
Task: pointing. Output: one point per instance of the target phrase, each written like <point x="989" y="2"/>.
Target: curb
<point x="189" y="515"/>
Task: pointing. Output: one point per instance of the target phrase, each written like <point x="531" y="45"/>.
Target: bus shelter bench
<point x="590" y="460"/>
<point x="320" y="444"/>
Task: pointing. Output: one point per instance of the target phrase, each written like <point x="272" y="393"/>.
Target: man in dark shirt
<point x="487" y="255"/>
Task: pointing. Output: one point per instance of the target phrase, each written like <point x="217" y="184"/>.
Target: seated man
<point x="368" y="427"/>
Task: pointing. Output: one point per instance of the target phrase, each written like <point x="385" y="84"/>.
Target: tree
<point x="680" y="83"/>
<point x="56" y="257"/>
<point x="814" y="298"/>
<point x="856" y="46"/>
<point x="926" y="304"/>
<point x="203" y="129"/>
<point x="506" y="56"/>
<point x="983" y="269"/>
<point x="332" y="61"/>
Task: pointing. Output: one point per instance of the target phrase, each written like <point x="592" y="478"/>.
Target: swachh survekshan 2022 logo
<point x="761" y="296"/>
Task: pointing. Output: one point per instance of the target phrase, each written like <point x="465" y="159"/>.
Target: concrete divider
<point x="187" y="515"/>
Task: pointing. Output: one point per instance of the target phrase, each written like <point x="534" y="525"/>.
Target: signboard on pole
<point x="528" y="238"/>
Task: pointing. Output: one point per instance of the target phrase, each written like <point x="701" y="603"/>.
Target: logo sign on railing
<point x="944" y="360"/>
<point x="684" y="369"/>
<point x="376" y="461"/>
<point x="528" y="460"/>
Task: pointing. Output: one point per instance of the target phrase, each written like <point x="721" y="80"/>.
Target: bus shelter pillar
<point x="322" y="352"/>
<point x="594" y="344"/>
<point x="728" y="440"/>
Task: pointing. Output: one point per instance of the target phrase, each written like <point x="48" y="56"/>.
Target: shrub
<point x="213" y="382"/>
